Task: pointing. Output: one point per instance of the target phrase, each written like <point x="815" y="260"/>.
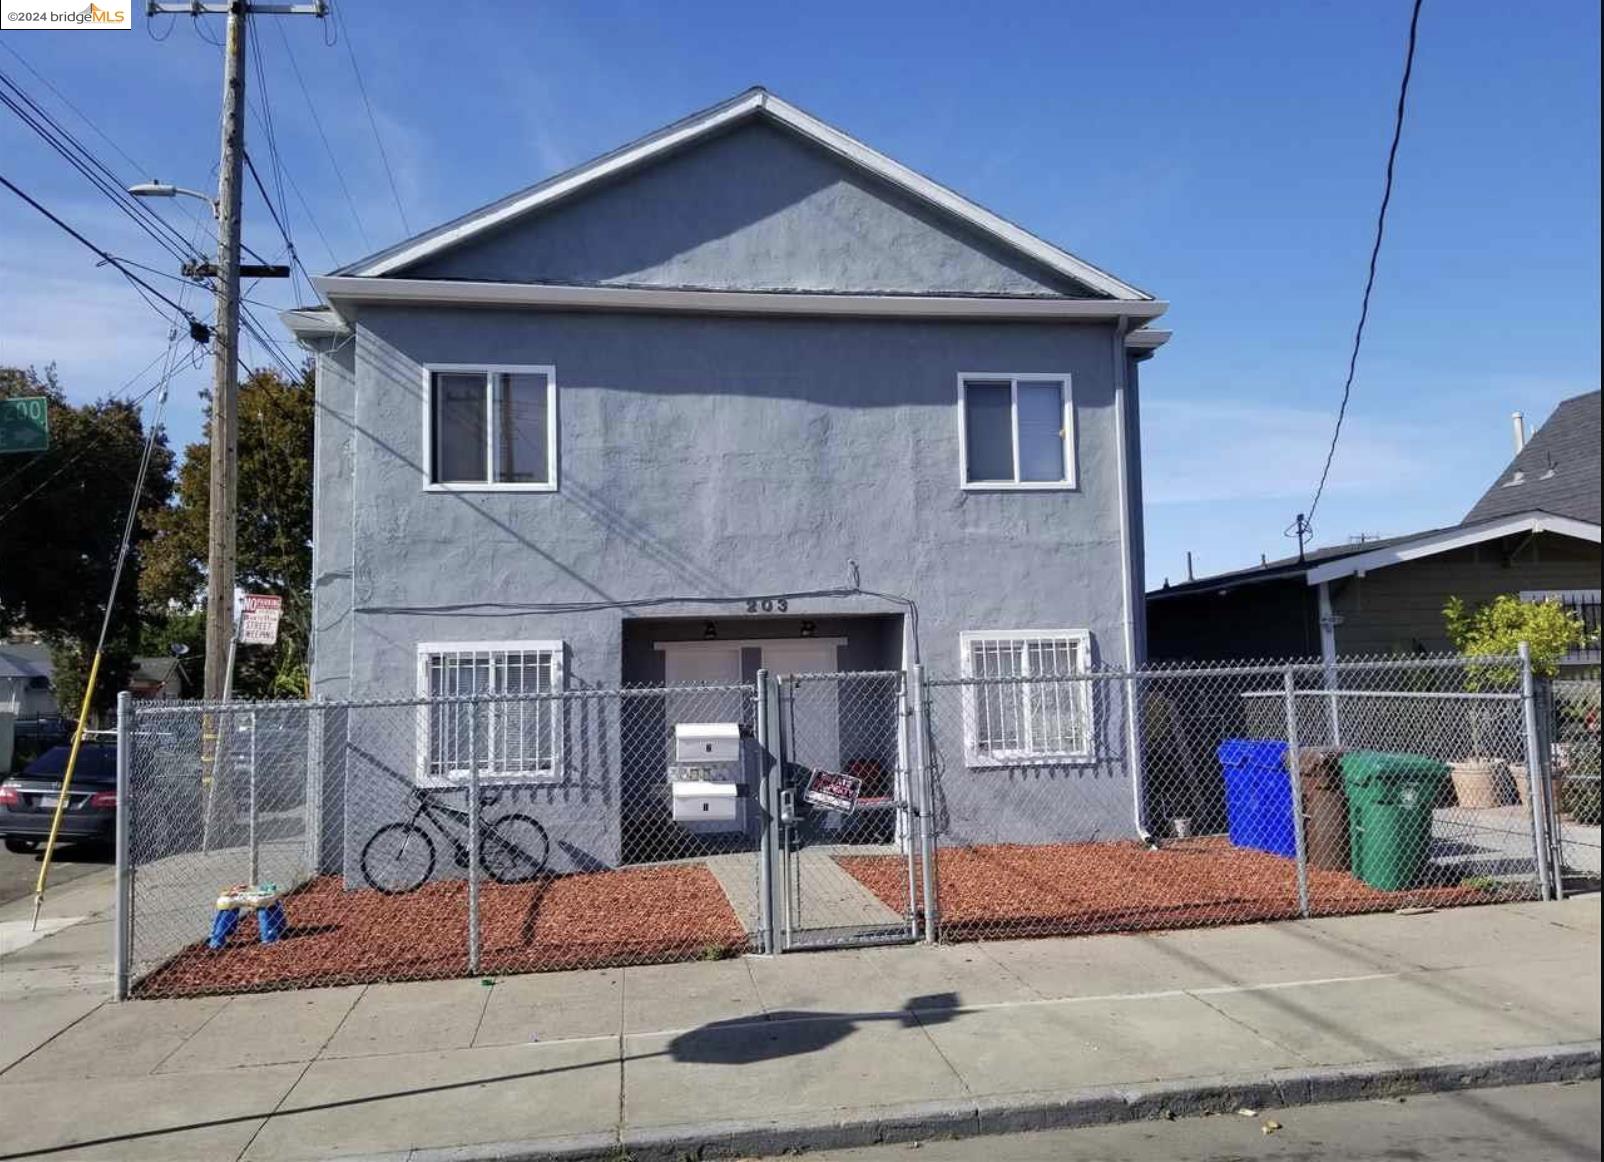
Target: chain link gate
<point x="845" y="837"/>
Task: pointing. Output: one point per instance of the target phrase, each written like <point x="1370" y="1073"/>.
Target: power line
<point x="280" y="213"/>
<point x="289" y="243"/>
<point x="99" y="175"/>
<point x="300" y="198"/>
<point x="317" y="121"/>
<point x="139" y="283"/>
<point x="84" y="117"/>
<point x="373" y="123"/>
<point x="1305" y="525"/>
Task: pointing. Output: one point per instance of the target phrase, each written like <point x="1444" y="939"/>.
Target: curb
<point x="1011" y="1114"/>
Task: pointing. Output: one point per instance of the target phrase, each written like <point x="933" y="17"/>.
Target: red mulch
<point x="335" y="936"/>
<point x="1006" y="890"/>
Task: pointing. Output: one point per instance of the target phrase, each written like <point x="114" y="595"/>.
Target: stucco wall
<point x="711" y="456"/>
<point x="757" y="208"/>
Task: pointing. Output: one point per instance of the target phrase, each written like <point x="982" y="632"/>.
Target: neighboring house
<point x="26" y="694"/>
<point x="25" y="674"/>
<point x="653" y="420"/>
<point x="156" y="677"/>
<point x="1534" y="533"/>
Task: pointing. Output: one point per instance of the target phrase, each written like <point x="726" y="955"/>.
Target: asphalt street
<point x="1539" y="1123"/>
<point x="18" y="873"/>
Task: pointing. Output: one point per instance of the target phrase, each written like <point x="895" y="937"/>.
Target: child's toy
<point x="259" y="898"/>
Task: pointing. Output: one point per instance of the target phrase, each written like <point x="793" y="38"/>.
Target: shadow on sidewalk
<point x="792" y="1033"/>
<point x="741" y="1041"/>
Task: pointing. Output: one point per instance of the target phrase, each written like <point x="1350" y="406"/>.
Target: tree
<point x="62" y="513"/>
<point x="274" y="540"/>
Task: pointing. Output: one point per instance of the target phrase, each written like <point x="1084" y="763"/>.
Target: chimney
<point x="1519" y="422"/>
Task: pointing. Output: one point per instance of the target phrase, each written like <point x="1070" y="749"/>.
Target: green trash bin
<point x="1390" y="797"/>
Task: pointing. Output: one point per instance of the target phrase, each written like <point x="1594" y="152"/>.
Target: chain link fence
<point x="1074" y="803"/>
<point x="500" y="833"/>
<point x="427" y="838"/>
<point x="1573" y="722"/>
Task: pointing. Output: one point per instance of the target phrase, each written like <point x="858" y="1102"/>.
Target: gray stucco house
<point x="1533" y="533"/>
<point x="742" y="393"/>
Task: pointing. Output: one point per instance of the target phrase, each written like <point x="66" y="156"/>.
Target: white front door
<point x="702" y="664"/>
<point x="799" y="657"/>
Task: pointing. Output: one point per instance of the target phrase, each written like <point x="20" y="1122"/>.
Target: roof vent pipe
<point x="1519" y="422"/>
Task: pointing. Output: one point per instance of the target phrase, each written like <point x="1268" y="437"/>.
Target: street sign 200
<point x="25" y="424"/>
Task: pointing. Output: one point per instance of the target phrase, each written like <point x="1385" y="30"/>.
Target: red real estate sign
<point x="832" y="791"/>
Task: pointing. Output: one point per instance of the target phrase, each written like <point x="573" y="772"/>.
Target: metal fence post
<point x="473" y="840"/>
<point x="312" y="807"/>
<point x="1536" y="774"/>
<point x="1295" y="775"/>
<point x="923" y="792"/>
<point x="1135" y="744"/>
<point x="125" y="871"/>
<point x="251" y="822"/>
<point x="768" y="773"/>
<point x="1547" y="720"/>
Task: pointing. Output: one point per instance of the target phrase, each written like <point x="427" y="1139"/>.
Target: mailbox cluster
<point x="708" y="775"/>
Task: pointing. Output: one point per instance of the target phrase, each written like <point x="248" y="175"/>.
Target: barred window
<point x="504" y="737"/>
<point x="1019" y="709"/>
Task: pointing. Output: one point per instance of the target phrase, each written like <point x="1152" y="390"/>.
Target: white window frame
<point x="1070" y="481"/>
<point x="489" y="371"/>
<point x="1081" y="691"/>
<point x="494" y="711"/>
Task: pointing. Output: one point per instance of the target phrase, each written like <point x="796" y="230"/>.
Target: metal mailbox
<point x="707" y="742"/>
<point x="699" y="802"/>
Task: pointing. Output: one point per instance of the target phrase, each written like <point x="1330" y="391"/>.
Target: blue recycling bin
<point x="1258" y="794"/>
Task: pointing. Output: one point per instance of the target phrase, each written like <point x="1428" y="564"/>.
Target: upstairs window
<point x="492" y="427"/>
<point x="1016" y="431"/>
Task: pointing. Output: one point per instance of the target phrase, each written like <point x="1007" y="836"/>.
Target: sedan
<point x="28" y="801"/>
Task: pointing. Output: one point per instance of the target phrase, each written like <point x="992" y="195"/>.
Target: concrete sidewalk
<point x="819" y="1049"/>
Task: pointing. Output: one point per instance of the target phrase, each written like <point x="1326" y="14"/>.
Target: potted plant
<point x="1497" y="629"/>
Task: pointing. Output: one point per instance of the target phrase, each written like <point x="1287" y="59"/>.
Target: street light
<point x="155" y="189"/>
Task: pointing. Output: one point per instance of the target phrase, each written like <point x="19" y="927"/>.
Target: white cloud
<point x="1232" y="451"/>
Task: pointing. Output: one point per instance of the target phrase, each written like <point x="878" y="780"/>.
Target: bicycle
<point x="399" y="857"/>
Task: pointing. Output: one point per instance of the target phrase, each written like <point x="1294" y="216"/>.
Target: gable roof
<point x="1557" y="471"/>
<point x="754" y="103"/>
<point x="1336" y="561"/>
<point x="1284" y="569"/>
<point x="24" y="660"/>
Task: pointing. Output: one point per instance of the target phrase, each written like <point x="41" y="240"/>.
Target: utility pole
<point x="224" y="491"/>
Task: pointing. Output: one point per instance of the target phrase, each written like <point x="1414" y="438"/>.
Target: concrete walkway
<point x="824" y="1049"/>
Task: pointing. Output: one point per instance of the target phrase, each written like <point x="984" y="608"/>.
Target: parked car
<point x="28" y="800"/>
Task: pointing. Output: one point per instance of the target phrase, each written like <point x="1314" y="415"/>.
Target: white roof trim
<point x="708" y="122"/>
<point x="1143" y="339"/>
<point x="307" y="323"/>
<point x="1430" y="544"/>
<point x="341" y="290"/>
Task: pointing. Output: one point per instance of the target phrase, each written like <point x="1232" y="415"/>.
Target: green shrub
<point x="1497" y="629"/>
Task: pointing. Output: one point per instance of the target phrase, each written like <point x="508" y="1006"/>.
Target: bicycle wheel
<point x="514" y="849"/>
<point x="398" y="858"/>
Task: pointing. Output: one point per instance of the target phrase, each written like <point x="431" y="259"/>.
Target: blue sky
<point x="1226" y="157"/>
